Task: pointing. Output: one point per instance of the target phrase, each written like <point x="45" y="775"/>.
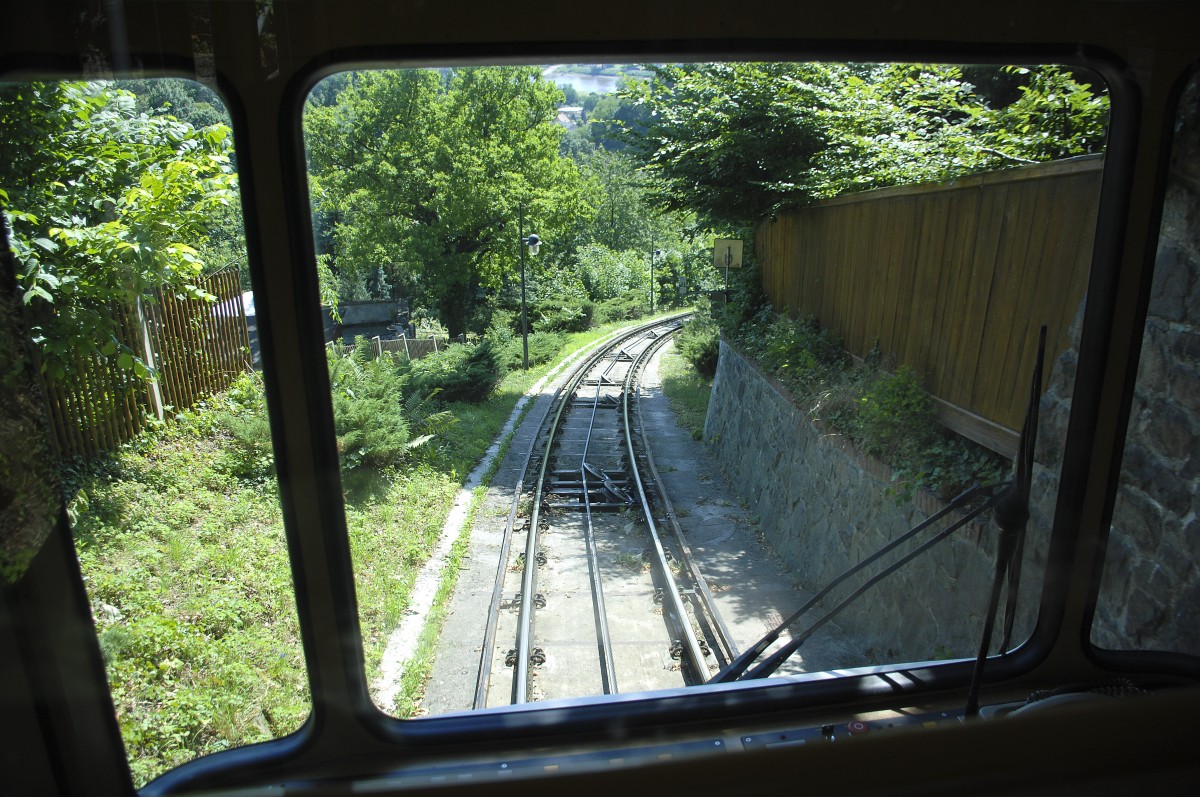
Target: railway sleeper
<point x="607" y="402"/>
<point x="606" y="506"/>
<point x="577" y="484"/>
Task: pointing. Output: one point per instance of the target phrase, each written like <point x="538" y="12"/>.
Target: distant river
<point x="584" y="84"/>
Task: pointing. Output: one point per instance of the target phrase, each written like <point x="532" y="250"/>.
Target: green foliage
<point x="888" y="415"/>
<point x="803" y="356"/>
<point x="543" y="347"/>
<point x="606" y="274"/>
<point x="424" y="176"/>
<point x="561" y="306"/>
<point x="731" y="142"/>
<point x="895" y="414"/>
<point x="1056" y="116"/>
<point x="629" y="306"/>
<point x="562" y="316"/>
<point x="910" y="123"/>
<point x="376" y="405"/>
<point x="460" y="372"/>
<point x="105" y="204"/>
<point x="687" y="389"/>
<point x="699" y="342"/>
<point x="242" y="412"/>
<point x="190" y="588"/>
<point x="713" y="137"/>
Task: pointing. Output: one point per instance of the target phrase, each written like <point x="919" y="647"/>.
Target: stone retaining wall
<point x="824" y="507"/>
<point x="1150" y="592"/>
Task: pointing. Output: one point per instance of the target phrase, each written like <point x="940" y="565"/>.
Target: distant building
<point x="570" y="116"/>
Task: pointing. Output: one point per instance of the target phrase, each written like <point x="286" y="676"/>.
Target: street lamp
<point x="656" y="253"/>
<point x="533" y="242"/>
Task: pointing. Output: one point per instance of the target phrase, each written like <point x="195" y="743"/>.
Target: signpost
<point x="727" y="254"/>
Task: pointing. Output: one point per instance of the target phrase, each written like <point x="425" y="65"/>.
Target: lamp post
<point x="533" y="242"/>
<point x="655" y="254"/>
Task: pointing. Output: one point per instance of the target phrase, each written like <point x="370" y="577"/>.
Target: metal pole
<point x="652" y="253"/>
<point x="524" y="316"/>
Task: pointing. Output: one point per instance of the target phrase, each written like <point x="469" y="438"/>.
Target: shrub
<point x="461" y="372"/>
<point x="699" y="342"/>
<point x="889" y="415"/>
<point x="241" y="411"/>
<point x="803" y="356"/>
<point x="543" y="347"/>
<point x="628" y="306"/>
<point x="561" y="314"/>
<point x="895" y="415"/>
<point x="368" y="408"/>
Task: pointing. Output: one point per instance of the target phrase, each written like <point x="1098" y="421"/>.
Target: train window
<point x="669" y="420"/>
<point x="1149" y="595"/>
<point x="925" y="224"/>
<point x="123" y="209"/>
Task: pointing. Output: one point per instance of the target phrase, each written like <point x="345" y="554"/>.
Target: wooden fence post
<point x="152" y="388"/>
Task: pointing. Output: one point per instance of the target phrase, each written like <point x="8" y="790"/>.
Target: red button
<point x="858" y="727"/>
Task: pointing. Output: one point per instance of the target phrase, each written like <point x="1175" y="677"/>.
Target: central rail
<point x="570" y="426"/>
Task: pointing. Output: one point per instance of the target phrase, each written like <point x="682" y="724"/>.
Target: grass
<point x="190" y="585"/>
<point x="191" y="593"/>
<point x="687" y="392"/>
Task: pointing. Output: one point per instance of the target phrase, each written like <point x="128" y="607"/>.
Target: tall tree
<point x="739" y="142"/>
<point x="900" y="124"/>
<point x="425" y="176"/>
<point x="105" y="204"/>
<point x="733" y="142"/>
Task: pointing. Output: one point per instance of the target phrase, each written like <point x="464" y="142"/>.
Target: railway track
<point x="596" y="591"/>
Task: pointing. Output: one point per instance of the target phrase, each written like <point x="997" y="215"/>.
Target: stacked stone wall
<point x="1150" y="590"/>
<point x="825" y="507"/>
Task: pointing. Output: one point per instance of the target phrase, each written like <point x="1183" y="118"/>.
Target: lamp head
<point x="533" y="242"/>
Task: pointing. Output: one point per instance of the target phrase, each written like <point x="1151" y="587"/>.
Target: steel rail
<point x="672" y="599"/>
<point x="721" y="638"/>
<point x="567" y="386"/>
<point x="608" y="670"/>
<point x="520" y="687"/>
<point x="520" y="684"/>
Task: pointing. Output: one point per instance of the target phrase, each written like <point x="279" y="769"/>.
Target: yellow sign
<point x="727" y="253"/>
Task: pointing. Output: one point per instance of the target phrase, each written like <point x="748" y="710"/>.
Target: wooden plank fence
<point x="951" y="279"/>
<point x="196" y="347"/>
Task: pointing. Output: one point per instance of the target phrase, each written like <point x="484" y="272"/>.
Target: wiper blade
<point x="1024" y="486"/>
<point x="772" y="662"/>
<point x="1009" y="500"/>
<point x="736" y="668"/>
<point x="1012" y="517"/>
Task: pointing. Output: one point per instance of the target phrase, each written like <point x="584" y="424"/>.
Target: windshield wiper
<point x="1012" y="517"/>
<point x="735" y="669"/>
<point x="1010" y="502"/>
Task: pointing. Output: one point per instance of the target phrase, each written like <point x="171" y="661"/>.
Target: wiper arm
<point x="772" y="662"/>
<point x="1012" y="517"/>
<point x="1010" y="500"/>
<point x="735" y="669"/>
